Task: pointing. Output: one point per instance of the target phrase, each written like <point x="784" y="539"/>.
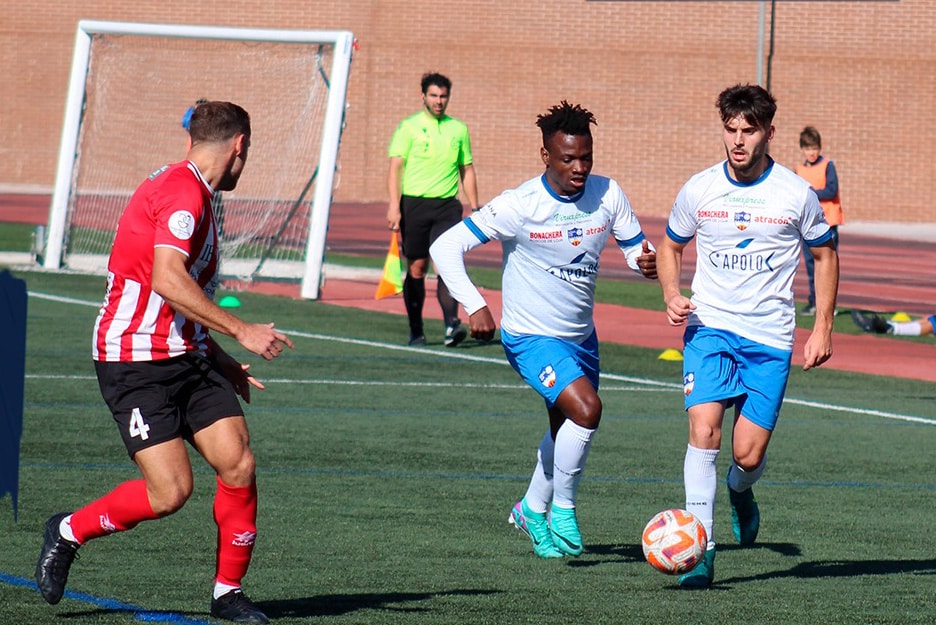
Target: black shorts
<point x="161" y="400"/>
<point x="423" y="220"/>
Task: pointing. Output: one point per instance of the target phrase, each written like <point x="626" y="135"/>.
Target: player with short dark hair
<point x="553" y="229"/>
<point x="164" y="378"/>
<point x="429" y="153"/>
<point x="217" y="201"/>
<point x="749" y="216"/>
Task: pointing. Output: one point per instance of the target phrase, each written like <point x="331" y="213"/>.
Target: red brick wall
<point x="864" y="73"/>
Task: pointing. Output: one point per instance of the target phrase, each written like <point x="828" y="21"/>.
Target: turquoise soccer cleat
<point x="565" y="531"/>
<point x="700" y="577"/>
<point x="534" y="525"/>
<point x="745" y="515"/>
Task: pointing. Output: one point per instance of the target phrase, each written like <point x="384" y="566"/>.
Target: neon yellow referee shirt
<point x="432" y="151"/>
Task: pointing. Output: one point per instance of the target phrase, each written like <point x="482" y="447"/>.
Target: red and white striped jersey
<point x="171" y="208"/>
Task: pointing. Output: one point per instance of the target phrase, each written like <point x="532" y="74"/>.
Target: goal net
<point x="130" y="87"/>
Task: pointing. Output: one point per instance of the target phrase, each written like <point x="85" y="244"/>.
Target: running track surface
<point x="877" y="273"/>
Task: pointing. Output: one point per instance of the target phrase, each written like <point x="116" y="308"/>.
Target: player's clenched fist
<point x="677" y="310"/>
<point x="482" y="324"/>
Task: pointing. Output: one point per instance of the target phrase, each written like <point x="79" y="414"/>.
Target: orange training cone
<point x="391" y="282"/>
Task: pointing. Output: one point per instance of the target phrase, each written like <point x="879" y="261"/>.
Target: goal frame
<point x="343" y="42"/>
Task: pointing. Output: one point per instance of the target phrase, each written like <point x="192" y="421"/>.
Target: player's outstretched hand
<point x="242" y="382"/>
<point x="262" y="339"/>
<point x="482" y="324"/>
<point x="647" y="262"/>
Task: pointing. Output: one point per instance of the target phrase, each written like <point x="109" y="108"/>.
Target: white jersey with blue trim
<point x="748" y="239"/>
<point x="552" y="246"/>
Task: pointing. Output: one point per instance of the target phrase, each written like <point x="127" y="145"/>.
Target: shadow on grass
<point x="619" y="554"/>
<point x="337" y="605"/>
<point x="626" y="554"/>
<point x="319" y="605"/>
<point x="843" y="568"/>
<point x="634" y="553"/>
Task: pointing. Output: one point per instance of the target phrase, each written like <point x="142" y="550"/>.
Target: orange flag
<point x="391" y="282"/>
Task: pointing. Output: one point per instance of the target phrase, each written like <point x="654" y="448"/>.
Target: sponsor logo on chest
<point x="546" y="236"/>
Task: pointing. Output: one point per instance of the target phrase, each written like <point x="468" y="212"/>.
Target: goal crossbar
<point x="342" y="42"/>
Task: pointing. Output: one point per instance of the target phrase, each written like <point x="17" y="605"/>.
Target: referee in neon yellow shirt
<point x="429" y="153"/>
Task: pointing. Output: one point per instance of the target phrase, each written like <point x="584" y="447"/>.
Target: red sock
<point x="235" y="512"/>
<point x="119" y="510"/>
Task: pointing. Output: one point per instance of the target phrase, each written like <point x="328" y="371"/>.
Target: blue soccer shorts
<point x="719" y="365"/>
<point x="550" y="364"/>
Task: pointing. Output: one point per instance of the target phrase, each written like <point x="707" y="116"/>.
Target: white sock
<point x="701" y="480"/>
<point x="907" y="328"/>
<point x="572" y="445"/>
<point x="66" y="531"/>
<point x="540" y="491"/>
<point x="740" y="480"/>
<point x="222" y="589"/>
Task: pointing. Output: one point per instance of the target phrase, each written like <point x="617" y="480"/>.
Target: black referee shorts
<point x="423" y="220"/>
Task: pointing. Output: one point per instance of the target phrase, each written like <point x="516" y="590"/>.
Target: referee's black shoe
<point x="55" y="560"/>
<point x="235" y="606"/>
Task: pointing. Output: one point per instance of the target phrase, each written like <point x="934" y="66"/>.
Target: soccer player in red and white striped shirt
<point x="152" y="342"/>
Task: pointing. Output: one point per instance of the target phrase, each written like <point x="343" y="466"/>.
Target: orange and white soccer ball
<point x="674" y="541"/>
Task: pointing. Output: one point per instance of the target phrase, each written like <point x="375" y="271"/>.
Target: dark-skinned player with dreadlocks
<point x="553" y="229"/>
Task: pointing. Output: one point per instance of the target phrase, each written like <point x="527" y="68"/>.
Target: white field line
<point x="457" y="355"/>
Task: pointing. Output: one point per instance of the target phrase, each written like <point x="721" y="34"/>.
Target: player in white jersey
<point x="164" y="377"/>
<point x="749" y="216"/>
<point x="552" y="229"/>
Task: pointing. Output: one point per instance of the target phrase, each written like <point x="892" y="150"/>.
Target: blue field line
<point x="450" y="354"/>
<point x="112" y="605"/>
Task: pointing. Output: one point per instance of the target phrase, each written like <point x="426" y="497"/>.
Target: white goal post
<point x="129" y="87"/>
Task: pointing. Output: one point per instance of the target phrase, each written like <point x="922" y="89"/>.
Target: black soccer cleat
<point x="871" y="322"/>
<point x="235" y="606"/>
<point x="55" y="560"/>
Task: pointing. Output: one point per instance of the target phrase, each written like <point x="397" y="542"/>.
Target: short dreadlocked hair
<point x="570" y="119"/>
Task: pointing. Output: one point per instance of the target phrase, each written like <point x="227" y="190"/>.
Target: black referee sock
<point x="414" y="295"/>
<point x="447" y="303"/>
